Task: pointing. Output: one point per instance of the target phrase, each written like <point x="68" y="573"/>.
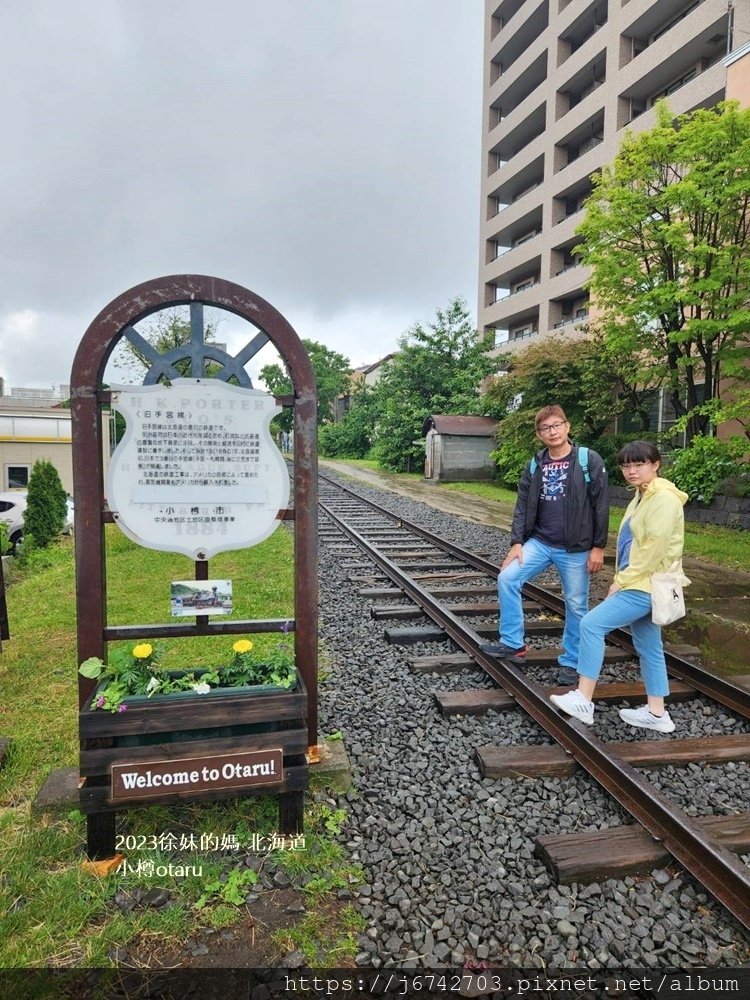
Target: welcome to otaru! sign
<point x="197" y="471"/>
<point x="237" y="770"/>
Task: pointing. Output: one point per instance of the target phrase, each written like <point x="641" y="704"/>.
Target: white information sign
<point x="197" y="471"/>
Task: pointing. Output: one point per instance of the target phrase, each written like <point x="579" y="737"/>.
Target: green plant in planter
<point x="127" y="672"/>
<point x="137" y="672"/>
<point x="247" y="667"/>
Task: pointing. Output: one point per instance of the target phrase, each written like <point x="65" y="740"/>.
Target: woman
<point x="651" y="538"/>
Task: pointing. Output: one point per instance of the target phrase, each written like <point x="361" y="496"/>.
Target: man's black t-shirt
<point x="550" y="517"/>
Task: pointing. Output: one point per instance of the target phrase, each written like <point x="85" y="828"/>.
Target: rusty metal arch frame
<point x="87" y="394"/>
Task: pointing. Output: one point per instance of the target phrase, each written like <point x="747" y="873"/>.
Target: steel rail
<point x="720" y="689"/>
<point x="719" y="871"/>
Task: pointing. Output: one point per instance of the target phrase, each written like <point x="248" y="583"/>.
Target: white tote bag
<point x="667" y="597"/>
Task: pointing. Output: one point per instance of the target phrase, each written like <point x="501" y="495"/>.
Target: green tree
<point x="164" y="331"/>
<point x="438" y="369"/>
<point x="559" y="370"/>
<point x="46" y="507"/>
<point x="351" y="437"/>
<point x="332" y="373"/>
<point x="667" y="234"/>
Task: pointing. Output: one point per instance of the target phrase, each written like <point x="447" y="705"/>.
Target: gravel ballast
<point x="449" y="860"/>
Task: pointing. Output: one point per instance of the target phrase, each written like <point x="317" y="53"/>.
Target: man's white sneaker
<point x="642" y="718"/>
<point x="575" y="704"/>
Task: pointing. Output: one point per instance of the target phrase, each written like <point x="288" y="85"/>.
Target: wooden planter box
<point x="164" y="730"/>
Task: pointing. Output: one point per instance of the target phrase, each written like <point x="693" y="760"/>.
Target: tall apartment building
<point x="563" y="80"/>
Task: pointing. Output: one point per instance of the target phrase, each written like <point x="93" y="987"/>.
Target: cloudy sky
<point x="323" y="153"/>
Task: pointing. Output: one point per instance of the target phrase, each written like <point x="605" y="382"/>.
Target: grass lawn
<point x="52" y="912"/>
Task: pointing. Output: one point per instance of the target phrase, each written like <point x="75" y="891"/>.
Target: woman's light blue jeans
<point x="625" y="607"/>
<point x="574" y="574"/>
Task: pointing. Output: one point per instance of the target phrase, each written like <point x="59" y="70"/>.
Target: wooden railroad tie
<point x="554" y="762"/>
<point x="436" y="591"/>
<point x="405" y="612"/>
<point x="433" y="633"/>
<point x="628" y="850"/>
<point x="430" y="564"/>
<point x="454" y="663"/>
<point x="482" y="700"/>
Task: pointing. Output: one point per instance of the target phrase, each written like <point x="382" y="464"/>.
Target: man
<point x="560" y="520"/>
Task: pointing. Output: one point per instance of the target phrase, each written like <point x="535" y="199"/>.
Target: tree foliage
<point x="701" y="469"/>
<point x="667" y="234"/>
<point x="351" y="437"/>
<point x="439" y="368"/>
<point x="164" y="331"/>
<point x="574" y="374"/>
<point x="332" y="372"/>
<point x="46" y="507"/>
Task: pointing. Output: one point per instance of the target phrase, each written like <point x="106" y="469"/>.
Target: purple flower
<point x="100" y="701"/>
<point x="122" y="708"/>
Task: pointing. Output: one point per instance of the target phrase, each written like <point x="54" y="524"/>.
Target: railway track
<point x="437" y="577"/>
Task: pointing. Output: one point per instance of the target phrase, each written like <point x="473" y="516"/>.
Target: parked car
<point x="12" y="507"/>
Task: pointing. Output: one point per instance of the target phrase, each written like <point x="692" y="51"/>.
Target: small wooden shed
<point x="458" y="448"/>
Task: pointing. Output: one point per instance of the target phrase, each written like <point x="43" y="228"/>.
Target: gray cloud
<point x="324" y="153"/>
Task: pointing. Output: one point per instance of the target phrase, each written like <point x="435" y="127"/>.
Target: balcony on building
<point x="686" y="83"/>
<point x="569" y="311"/>
<point x="571" y="200"/>
<point x="666" y="61"/>
<point x="516" y="35"/>
<point x="521" y="135"/>
<point x="581" y="140"/>
<point x="517" y="332"/>
<point x="514" y="243"/>
<point x="503" y="14"/>
<point x="510" y="103"/>
<point x="647" y="22"/>
<point x="514" y="187"/>
<point x="584" y="27"/>
<point x="515" y="286"/>
<point x="582" y="84"/>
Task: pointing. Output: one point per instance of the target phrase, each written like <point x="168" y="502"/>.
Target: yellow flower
<point x="242" y="646"/>
<point x="143" y="651"/>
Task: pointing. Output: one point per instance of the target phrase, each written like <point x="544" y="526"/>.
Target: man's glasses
<point x="548" y="428"/>
<point x="633" y="465"/>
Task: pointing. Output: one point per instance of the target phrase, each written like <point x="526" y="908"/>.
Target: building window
<point x="17" y="477"/>
<point x="674" y="85"/>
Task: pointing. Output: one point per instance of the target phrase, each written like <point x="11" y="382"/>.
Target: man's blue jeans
<point x="625" y="607"/>
<point x="574" y="574"/>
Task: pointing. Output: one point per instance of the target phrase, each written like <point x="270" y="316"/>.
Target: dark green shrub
<point x="46" y="508"/>
<point x="516" y="444"/>
<point x="350" y="438"/>
<point x="608" y="446"/>
<point x="736" y="485"/>
<point x="699" y="469"/>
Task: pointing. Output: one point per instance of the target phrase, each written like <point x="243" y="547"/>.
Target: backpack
<point x="583" y="460"/>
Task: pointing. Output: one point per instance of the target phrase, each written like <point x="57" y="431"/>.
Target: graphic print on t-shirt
<point x="550" y="518"/>
<point x="554" y="480"/>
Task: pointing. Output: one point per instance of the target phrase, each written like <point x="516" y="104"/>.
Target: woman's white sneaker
<point x="575" y="704"/>
<point x="642" y="718"/>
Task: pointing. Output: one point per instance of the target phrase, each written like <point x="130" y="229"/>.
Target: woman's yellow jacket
<point x="658" y="526"/>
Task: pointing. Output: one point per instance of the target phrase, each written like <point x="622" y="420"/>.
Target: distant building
<point x="35" y="425"/>
<point x="365" y="375"/>
<point x="457" y="448"/>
